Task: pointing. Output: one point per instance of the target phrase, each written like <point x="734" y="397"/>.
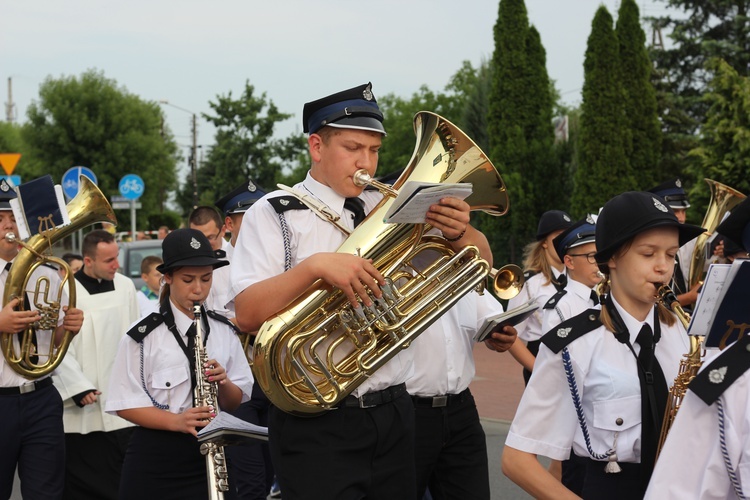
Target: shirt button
<point x="168" y="384"/>
<point x="618" y="421"/>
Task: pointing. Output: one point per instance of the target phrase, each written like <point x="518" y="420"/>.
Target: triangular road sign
<point x="9" y="161"/>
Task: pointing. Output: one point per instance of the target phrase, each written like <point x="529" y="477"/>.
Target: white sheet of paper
<point x="709" y="299"/>
<point x="415" y="198"/>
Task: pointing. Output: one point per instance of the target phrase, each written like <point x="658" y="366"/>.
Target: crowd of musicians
<point x="118" y="417"/>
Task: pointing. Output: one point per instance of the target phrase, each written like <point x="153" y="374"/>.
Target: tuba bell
<point x="88" y="207"/>
<point x="310" y="356"/>
<point x="723" y="199"/>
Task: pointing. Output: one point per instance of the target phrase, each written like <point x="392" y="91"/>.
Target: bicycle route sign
<point x="132" y="186"/>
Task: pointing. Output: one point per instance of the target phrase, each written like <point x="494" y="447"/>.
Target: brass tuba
<point x="723" y="200"/>
<point x="310" y="356"/>
<point x="88" y="207"/>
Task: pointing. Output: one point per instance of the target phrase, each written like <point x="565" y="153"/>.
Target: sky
<point x="189" y="52"/>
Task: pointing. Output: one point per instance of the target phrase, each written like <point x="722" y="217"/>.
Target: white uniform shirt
<point x="577" y="300"/>
<point x="259" y="255"/>
<point x="443" y="354"/>
<point x="535" y="288"/>
<point x="221" y="285"/>
<point x="88" y="363"/>
<point x="8" y="377"/>
<point x="691" y="464"/>
<point x="145" y="305"/>
<point x="166" y="369"/>
<point x="607" y="378"/>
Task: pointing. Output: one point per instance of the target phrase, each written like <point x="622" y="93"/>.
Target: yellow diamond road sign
<point x="9" y="161"/>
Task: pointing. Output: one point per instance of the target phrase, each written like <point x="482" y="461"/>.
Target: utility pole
<point x="194" y="160"/>
<point x="10" y="105"/>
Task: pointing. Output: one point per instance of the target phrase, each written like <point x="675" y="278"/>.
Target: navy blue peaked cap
<point x="354" y="108"/>
<point x="240" y="198"/>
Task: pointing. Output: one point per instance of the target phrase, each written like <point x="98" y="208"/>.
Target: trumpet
<point x="507" y="281"/>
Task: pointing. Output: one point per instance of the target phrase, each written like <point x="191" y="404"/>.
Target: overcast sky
<point x="190" y="51"/>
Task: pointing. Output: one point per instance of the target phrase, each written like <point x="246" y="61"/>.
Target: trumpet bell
<point x="507" y="281"/>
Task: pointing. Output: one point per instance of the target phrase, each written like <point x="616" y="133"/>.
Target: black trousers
<point x="32" y="437"/>
<point x="94" y="463"/>
<point x="163" y="465"/>
<point x="451" y="451"/>
<point x="250" y="469"/>
<point x="624" y="485"/>
<point x="347" y="453"/>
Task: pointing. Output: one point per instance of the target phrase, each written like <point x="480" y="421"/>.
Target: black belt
<point x="26" y="388"/>
<point x="376" y="398"/>
<point x="441" y="401"/>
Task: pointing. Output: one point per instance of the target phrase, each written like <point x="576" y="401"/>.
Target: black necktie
<point x="653" y="401"/>
<point x="357" y="208"/>
<point x="7" y="266"/>
<point x="561" y="282"/>
<point x="594" y="297"/>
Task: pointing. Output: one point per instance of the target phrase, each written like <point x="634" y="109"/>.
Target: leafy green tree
<point x="245" y="147"/>
<point x="90" y="121"/>
<point x="603" y="170"/>
<point x="725" y="136"/>
<point x="643" y="129"/>
<point x="11" y="141"/>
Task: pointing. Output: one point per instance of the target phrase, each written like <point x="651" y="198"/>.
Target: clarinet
<point x="206" y="394"/>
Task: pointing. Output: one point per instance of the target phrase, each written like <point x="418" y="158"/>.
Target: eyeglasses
<point x="591" y="256"/>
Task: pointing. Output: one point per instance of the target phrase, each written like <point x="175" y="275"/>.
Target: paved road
<point x="497" y="389"/>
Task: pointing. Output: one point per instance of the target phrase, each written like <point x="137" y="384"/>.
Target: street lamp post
<point x="193" y="148"/>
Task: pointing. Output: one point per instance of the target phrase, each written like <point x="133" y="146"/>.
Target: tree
<point x="90" y="121"/>
<point x="603" y="169"/>
<point x="245" y="146"/>
<point x="643" y="138"/>
<point x="11" y="141"/>
<point x="725" y="137"/>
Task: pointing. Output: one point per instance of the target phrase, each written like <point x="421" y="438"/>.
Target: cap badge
<point x="251" y="187"/>
<point x="367" y="93"/>
<point x="284" y="202"/>
<point x="678" y="183"/>
<point x="563" y="332"/>
<point x="566" y="218"/>
<point x="4" y="186"/>
<point x="659" y="205"/>
<point x="716" y="376"/>
<point x="142" y="329"/>
<point x="195" y="244"/>
<point x="590" y="219"/>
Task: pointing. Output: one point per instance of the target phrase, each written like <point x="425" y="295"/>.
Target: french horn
<point x="311" y="355"/>
<point x="88" y="207"/>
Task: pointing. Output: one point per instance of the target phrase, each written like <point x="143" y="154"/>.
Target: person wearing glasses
<point x="576" y="249"/>
<point x="208" y="221"/>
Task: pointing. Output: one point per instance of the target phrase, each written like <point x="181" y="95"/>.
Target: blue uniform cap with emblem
<point x="7" y="193"/>
<point x="673" y="194"/>
<point x="736" y="226"/>
<point x="580" y="233"/>
<point x="629" y="214"/>
<point x="354" y="108"/>
<point x="551" y="221"/>
<point x="240" y="198"/>
<point x="188" y="247"/>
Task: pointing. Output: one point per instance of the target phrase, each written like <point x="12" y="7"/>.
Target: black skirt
<point x="164" y="465"/>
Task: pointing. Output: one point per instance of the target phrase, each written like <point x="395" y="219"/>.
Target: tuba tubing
<point x="88" y="207"/>
<point x="308" y="357"/>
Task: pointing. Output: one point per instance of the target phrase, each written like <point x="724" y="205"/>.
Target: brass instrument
<point x="723" y="199"/>
<point x="689" y="364"/>
<point x="310" y="356"/>
<point x="507" y="281"/>
<point x="88" y="207"/>
<point x="207" y="394"/>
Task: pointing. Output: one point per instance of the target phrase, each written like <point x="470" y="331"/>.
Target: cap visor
<point x="360" y="123"/>
<point x="193" y="262"/>
<point x="686" y="232"/>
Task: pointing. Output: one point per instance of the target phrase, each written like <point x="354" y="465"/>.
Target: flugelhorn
<point x="88" y="207"/>
<point x="311" y="355"/>
<point x="507" y="281"/>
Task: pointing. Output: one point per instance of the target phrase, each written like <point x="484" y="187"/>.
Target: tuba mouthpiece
<point x="362" y="178"/>
<point x="10" y="237"/>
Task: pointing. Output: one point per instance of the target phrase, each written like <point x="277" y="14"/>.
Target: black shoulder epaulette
<point x="223" y="319"/>
<point x="145" y="326"/>
<point x="528" y="274"/>
<point x="723" y="371"/>
<point x="571" y="329"/>
<point x="51" y="266"/>
<point x="552" y="302"/>
<point x="283" y="203"/>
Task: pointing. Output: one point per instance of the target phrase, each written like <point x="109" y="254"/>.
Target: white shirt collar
<point x="579" y="288"/>
<point x="324" y="193"/>
<point x="181" y="320"/>
<point x="633" y="325"/>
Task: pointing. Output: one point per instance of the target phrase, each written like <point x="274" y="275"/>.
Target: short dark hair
<point x="205" y="214"/>
<point x="92" y="240"/>
<point x="150" y="261"/>
<point x="70" y="257"/>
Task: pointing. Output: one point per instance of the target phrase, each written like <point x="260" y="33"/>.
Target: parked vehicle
<point x="132" y="253"/>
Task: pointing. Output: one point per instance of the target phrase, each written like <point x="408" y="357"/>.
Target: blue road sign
<point x="132" y="186"/>
<point x="15" y="180"/>
<point x="70" y="180"/>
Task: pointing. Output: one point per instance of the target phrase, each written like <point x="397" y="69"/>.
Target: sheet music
<point x="414" y="200"/>
<point x="709" y="298"/>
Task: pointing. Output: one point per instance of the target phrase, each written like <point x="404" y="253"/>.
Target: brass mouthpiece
<point x="362" y="178"/>
<point x="10" y="237"/>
